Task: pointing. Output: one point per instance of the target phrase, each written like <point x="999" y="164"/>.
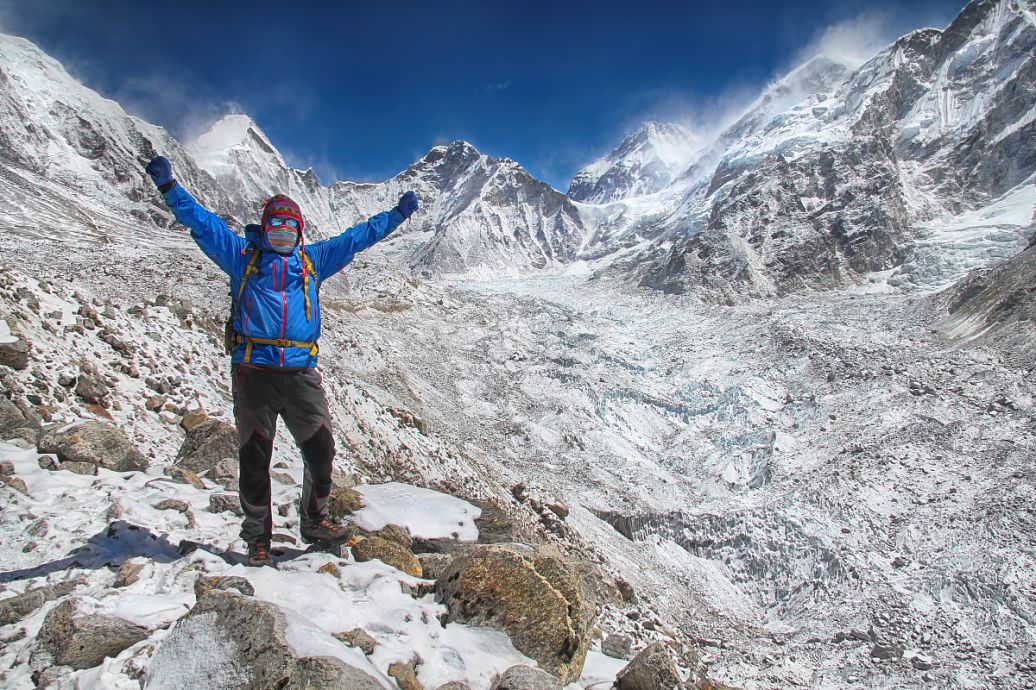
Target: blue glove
<point x="160" y="170"/>
<point x="407" y="204"/>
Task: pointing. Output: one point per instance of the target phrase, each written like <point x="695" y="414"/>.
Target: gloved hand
<point x="407" y="204"/>
<point x="160" y="170"/>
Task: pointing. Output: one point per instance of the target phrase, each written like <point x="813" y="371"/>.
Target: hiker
<point x="272" y="338"/>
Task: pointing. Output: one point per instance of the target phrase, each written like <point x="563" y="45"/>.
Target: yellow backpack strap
<point x="307" y="268"/>
<point x="250" y="270"/>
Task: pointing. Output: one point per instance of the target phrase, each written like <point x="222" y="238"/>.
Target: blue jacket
<point x="273" y="304"/>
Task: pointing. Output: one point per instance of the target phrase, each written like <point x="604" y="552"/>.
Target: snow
<point x="952" y="245"/>
<point x="773" y="461"/>
<point x="5" y="333"/>
<point x="213" y="150"/>
<point x="427" y="514"/>
<point x="198" y="659"/>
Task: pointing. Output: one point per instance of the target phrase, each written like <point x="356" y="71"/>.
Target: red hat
<point x="282" y="205"/>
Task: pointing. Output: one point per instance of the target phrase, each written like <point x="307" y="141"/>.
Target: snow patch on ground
<point x="426" y="513"/>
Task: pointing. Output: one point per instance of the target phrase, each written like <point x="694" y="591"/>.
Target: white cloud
<point x="851" y="42"/>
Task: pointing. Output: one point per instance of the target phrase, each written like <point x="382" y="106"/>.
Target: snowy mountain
<point x="814" y="488"/>
<point x="479" y="214"/>
<point x="838" y="187"/>
<point x="72" y="160"/>
<point x="644" y="163"/>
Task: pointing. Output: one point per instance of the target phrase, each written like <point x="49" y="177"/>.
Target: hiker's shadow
<point x="121" y="541"/>
<point x="116" y="544"/>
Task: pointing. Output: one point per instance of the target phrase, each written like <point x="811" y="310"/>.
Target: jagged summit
<point x="644" y="163"/>
<point x="232" y="137"/>
<point x="233" y="140"/>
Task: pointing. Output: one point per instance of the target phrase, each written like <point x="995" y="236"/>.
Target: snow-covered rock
<point x="644" y="163"/>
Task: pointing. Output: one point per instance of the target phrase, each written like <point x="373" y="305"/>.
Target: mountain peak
<point x="645" y="162"/>
<point x="229" y="138"/>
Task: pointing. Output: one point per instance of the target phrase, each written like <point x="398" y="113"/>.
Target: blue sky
<point x="360" y="90"/>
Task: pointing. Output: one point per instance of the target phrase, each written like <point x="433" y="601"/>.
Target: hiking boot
<point x="259" y="553"/>
<point x="323" y="530"/>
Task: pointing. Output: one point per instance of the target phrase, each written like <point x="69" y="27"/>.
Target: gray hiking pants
<point x="260" y="396"/>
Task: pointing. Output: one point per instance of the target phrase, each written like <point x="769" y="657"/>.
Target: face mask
<point x="282" y="240"/>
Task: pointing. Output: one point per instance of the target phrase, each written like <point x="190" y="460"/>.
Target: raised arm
<point x="332" y="255"/>
<point x="207" y="229"/>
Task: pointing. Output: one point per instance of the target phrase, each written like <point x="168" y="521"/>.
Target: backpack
<point x="231" y="338"/>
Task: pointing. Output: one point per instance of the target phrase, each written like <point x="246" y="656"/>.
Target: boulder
<point x="15" y="354"/>
<point x="14" y="609"/>
<point x="388" y="552"/>
<point x="533" y="597"/>
<point x="344" y="500"/>
<point x="97" y="443"/>
<point x="651" y="669"/>
<point x="91" y="388"/>
<point x="80" y="640"/>
<point x="79" y="467"/>
<point x="525" y="678"/>
<point x="184" y="476"/>
<point x="454" y="685"/>
<point x="232" y="642"/>
<point x="328" y="673"/>
<point x="433" y="564"/>
<point x="13" y="421"/>
<point x="206" y="444"/>
<point x="129" y="573"/>
<point x="226" y="472"/>
<point x="398" y="534"/>
<point x="192" y="418"/>
<point x="617" y="646"/>
<point x="405" y="675"/>
<point x="222" y="503"/>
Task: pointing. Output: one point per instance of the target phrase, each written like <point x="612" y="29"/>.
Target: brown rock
<point x="206" y="444"/>
<point x="222" y="503"/>
<point x="652" y="669"/>
<point x="359" y="638"/>
<point x="226" y="472"/>
<point x="329" y="673"/>
<point x="405" y="675"/>
<point x="16" y="483"/>
<point x="129" y="573"/>
<point x="97" y="443"/>
<point x="388" y="552"/>
<point x="434" y="564"/>
<point x="525" y="678"/>
<point x="91" y="388"/>
<point x="398" y="534"/>
<point x="184" y="476"/>
<point x="15" y="608"/>
<point x="173" y="504"/>
<point x="15" y="355"/>
<point x="255" y="653"/>
<point x="344" y="500"/>
<point x="223" y="583"/>
<point x="330" y="569"/>
<point x="70" y="638"/>
<point x="193" y="418"/>
<point x="79" y="467"/>
<point x="282" y="478"/>
<point x="535" y="599"/>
